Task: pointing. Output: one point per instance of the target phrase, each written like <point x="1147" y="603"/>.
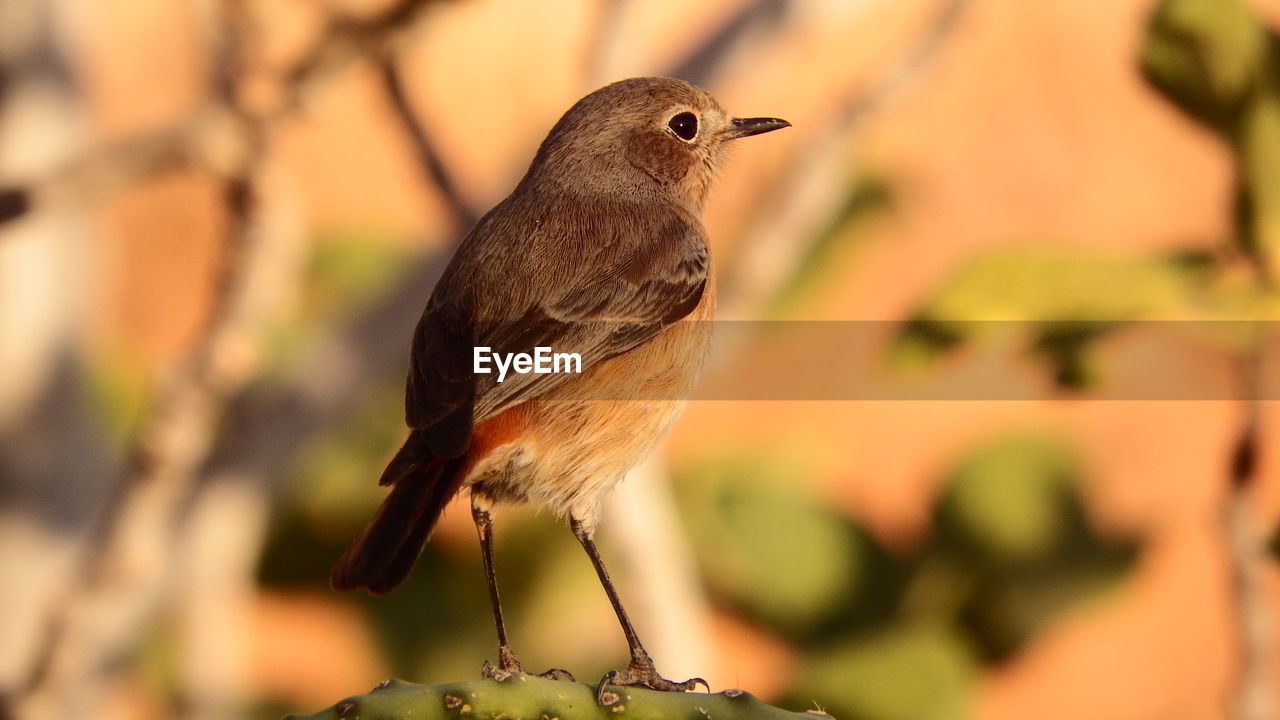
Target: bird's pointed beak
<point x="743" y="127"/>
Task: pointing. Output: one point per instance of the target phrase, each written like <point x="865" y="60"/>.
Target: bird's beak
<point x="743" y="127"/>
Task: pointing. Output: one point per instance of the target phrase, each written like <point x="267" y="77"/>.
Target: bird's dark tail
<point x="382" y="556"/>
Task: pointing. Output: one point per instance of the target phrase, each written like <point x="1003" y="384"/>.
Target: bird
<point x="600" y="252"/>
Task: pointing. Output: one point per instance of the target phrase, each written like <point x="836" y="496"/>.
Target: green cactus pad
<point x="526" y="697"/>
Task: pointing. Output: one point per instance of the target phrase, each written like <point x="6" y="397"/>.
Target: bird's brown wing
<point x="596" y="288"/>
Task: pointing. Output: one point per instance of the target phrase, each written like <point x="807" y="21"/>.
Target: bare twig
<point x="743" y="30"/>
<point x="428" y="157"/>
<point x="347" y="40"/>
<point x="337" y="370"/>
<point x="806" y="194"/>
<point x="908" y="68"/>
<point x="218" y="575"/>
<point x="127" y="557"/>
<point x="200" y="142"/>
<point x="125" y="564"/>
<point x="201" y="139"/>
<point x="1245" y="544"/>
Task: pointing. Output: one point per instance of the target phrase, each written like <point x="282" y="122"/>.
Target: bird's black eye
<point x="684" y="125"/>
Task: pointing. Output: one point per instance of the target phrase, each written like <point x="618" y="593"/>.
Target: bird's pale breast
<point x="564" y="448"/>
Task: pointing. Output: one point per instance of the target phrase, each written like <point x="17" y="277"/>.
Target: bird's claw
<point x="557" y="674"/>
<point x="498" y="672"/>
<point x="508" y="666"/>
<point x="641" y="672"/>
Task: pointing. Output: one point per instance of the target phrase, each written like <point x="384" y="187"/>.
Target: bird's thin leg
<point x="640" y="671"/>
<point x="507" y="662"/>
<point x="508" y="665"/>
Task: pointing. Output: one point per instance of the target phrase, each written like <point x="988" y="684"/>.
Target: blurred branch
<point x="332" y="377"/>
<point x="1217" y="62"/>
<point x="14" y="202"/>
<point x="215" y="593"/>
<point x="336" y="371"/>
<point x="126" y="558"/>
<point x="218" y="577"/>
<point x="347" y="40"/>
<point x="203" y="139"/>
<point x="214" y="584"/>
<point x="129" y="550"/>
<point x="206" y="140"/>
<point x="908" y="68"/>
<point x="428" y="157"/>
<point x="607" y="59"/>
<point x="1246" y="548"/>
<point x="814" y="184"/>
<point x="743" y="30"/>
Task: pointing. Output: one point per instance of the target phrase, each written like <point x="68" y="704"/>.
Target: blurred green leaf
<point x="1045" y="283"/>
<point x="347" y="270"/>
<point x="332" y="491"/>
<point x="1206" y="56"/>
<point x="1260" y="184"/>
<point x="345" y="273"/>
<point x="1273" y="544"/>
<point x="1012" y="518"/>
<point x="903" y="672"/>
<point x="116" y="393"/>
<point x="1010" y="503"/>
<point x="1062" y="300"/>
<point x="1008" y="610"/>
<point x="337" y="471"/>
<point x="769" y="545"/>
<point x="1065" y="346"/>
<point x="923" y="341"/>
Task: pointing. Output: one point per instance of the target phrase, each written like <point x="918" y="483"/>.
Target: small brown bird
<point x="599" y="251"/>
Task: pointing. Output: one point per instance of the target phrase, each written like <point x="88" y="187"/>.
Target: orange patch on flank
<point x="495" y="432"/>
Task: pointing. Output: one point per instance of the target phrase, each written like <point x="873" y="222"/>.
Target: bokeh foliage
<point x="1220" y="65"/>
<point x="891" y="633"/>
<point x="901" y="633"/>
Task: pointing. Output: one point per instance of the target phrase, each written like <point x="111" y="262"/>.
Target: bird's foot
<point x="641" y="672"/>
<point x="508" y="666"/>
<point x="557" y="674"/>
<point x="494" y="672"/>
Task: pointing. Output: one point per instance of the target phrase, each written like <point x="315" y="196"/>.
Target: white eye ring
<point x="684" y="125"/>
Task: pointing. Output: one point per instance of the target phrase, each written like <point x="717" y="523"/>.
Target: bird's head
<point x="644" y="135"/>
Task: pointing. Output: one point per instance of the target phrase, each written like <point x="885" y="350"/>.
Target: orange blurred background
<point x="1008" y="126"/>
